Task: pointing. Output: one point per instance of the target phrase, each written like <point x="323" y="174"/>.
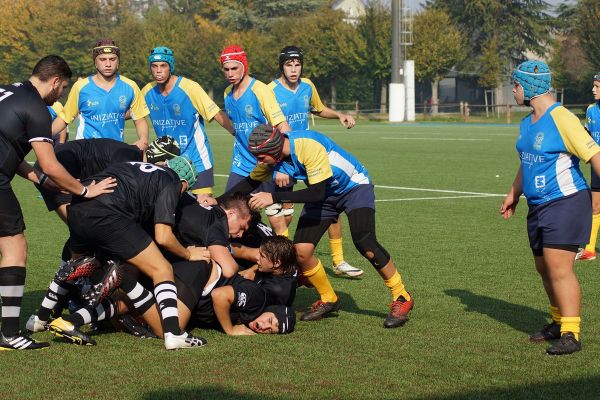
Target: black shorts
<point x="190" y="279"/>
<point x="54" y="199"/>
<point x="11" y="216"/>
<point x="94" y="228"/>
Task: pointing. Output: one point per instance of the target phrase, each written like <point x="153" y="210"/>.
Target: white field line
<point x="437" y="139"/>
<point x="437" y="198"/>
<point x="467" y="195"/>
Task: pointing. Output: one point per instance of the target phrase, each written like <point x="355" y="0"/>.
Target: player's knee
<point x="370" y="248"/>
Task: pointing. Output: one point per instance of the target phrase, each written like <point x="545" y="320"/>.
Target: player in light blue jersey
<point x="298" y="98"/>
<point x="178" y="108"/>
<point x="592" y="124"/>
<point x="248" y="103"/>
<point x="550" y="144"/>
<point x="336" y="182"/>
<point x="102" y="101"/>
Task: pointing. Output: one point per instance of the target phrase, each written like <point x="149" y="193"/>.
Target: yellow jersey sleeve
<point x="147" y="88"/>
<point x="139" y="108"/>
<point x="71" y="108"/>
<point x="272" y="85"/>
<point x="315" y="101"/>
<point x="577" y="141"/>
<point x="57" y="107"/>
<point x="268" y="103"/>
<point x="261" y="173"/>
<point x="313" y="156"/>
<point x="200" y="99"/>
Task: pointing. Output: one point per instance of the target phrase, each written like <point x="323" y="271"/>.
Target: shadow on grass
<point x="521" y="318"/>
<point x="205" y="392"/>
<point x="306" y="296"/>
<point x="582" y="388"/>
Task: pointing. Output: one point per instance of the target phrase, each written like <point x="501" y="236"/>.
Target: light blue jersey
<point x="297" y="105"/>
<point x="181" y="115"/>
<point x="315" y="158"/>
<point x="592" y="120"/>
<point x="102" y="113"/>
<point x="550" y="150"/>
<point x="257" y="105"/>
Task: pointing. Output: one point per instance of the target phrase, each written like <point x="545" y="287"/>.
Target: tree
<point x="437" y="48"/>
<point x="375" y="28"/>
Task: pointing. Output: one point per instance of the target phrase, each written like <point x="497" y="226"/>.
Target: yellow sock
<point x="570" y="324"/>
<point x="396" y="287"/>
<point x="591" y="246"/>
<point x="555" y="314"/>
<point x="317" y="277"/>
<point x="337" y="250"/>
<point x="285" y="233"/>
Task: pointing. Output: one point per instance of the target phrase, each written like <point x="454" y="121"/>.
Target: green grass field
<point x="477" y="297"/>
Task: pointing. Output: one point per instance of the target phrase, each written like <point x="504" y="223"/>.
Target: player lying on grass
<point x="336" y="182"/>
<point x="206" y="298"/>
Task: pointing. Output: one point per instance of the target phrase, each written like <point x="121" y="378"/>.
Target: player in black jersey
<point x="113" y="224"/>
<point x="26" y="125"/>
<point x="82" y="159"/>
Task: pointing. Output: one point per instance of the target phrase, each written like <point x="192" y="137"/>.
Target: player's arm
<point x="58" y="126"/>
<point x="345" y="119"/>
<point x="509" y="205"/>
<point x="141" y="128"/>
<point x="283" y="127"/>
<point x="51" y="167"/>
<point x="222" y="299"/>
<point x="314" y="193"/>
<point x="223" y="119"/>
<point x="164" y="237"/>
<point x="244" y="252"/>
<point x="223" y="257"/>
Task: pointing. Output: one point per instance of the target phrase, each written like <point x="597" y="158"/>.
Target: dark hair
<point x="238" y="202"/>
<point x="51" y="66"/>
<point x="280" y="248"/>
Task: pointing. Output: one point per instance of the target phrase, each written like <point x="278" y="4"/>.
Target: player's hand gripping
<point x="347" y="120"/>
<point x="260" y="200"/>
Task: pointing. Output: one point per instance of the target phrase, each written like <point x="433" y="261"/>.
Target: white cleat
<point x="348" y="270"/>
<point x="183" y="341"/>
<point x="34" y="324"/>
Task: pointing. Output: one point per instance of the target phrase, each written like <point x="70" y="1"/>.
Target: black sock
<point x="55" y="294"/>
<point x="12" y="284"/>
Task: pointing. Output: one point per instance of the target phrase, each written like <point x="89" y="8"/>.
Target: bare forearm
<point x="223" y="120"/>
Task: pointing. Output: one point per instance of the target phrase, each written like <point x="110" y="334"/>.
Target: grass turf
<point x="477" y="297"/>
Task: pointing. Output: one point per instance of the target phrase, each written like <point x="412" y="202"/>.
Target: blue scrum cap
<point x="535" y="78"/>
<point x="163" y="54"/>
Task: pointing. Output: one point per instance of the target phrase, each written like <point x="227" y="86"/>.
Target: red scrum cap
<point x="237" y="54"/>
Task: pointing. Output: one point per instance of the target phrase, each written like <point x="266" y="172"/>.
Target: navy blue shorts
<point x="559" y="223"/>
<point x="234" y="179"/>
<point x="595" y="181"/>
<point x="360" y="196"/>
<point x="204" y="180"/>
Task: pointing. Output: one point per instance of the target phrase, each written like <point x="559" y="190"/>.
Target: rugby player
<point x="298" y="97"/>
<point x="103" y="99"/>
<point x="178" y="108"/>
<point x="550" y="144"/>
<point x="26" y="125"/>
<point x="592" y="116"/>
<point x="147" y="194"/>
<point x="331" y="190"/>
<point x="82" y="159"/>
<point x="248" y="103"/>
